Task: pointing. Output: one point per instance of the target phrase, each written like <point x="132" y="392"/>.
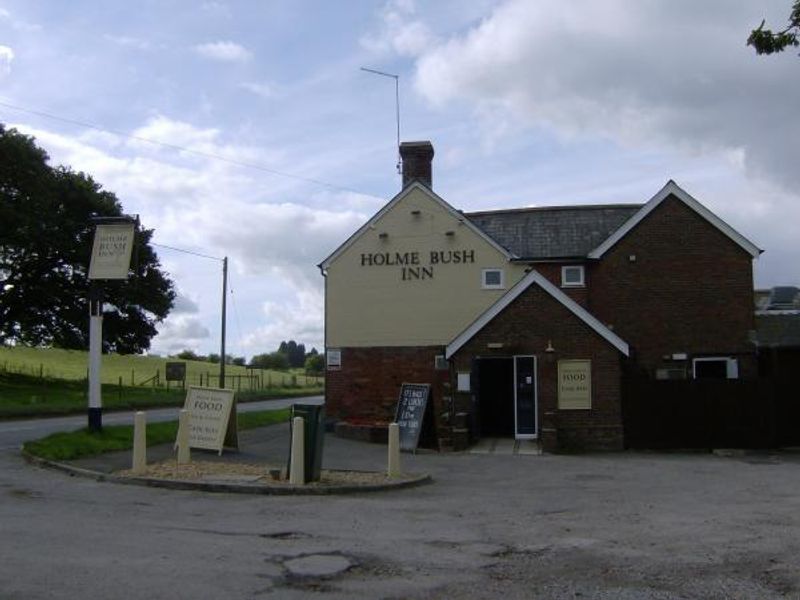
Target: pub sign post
<point x="111" y="259"/>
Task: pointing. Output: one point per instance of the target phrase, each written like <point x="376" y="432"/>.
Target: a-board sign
<point x="111" y="251"/>
<point x="212" y="418"/>
<point x="175" y="371"/>
<point x="410" y="413"/>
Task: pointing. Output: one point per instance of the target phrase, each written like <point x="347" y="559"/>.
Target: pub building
<point x="524" y="321"/>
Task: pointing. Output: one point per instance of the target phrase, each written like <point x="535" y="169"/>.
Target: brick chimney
<point x="417" y="157"/>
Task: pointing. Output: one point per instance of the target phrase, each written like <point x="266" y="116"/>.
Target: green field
<point x="52" y="363"/>
<point x="39" y="382"/>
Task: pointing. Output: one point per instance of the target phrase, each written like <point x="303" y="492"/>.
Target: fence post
<point x="119" y="389"/>
<point x="133" y="377"/>
<point x="139" y="442"/>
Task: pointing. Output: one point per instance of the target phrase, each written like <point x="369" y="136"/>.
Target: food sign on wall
<point x="574" y="384"/>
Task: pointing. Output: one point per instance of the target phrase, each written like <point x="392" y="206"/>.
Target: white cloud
<point x="399" y="32"/>
<point x="224" y="51"/>
<point x="272" y="233"/>
<point x="217" y="9"/>
<point x="184" y="305"/>
<point x="6" y="56"/>
<point x="265" y="90"/>
<point x="128" y="41"/>
<point x="638" y="73"/>
<point x="180" y="332"/>
<point x="299" y="319"/>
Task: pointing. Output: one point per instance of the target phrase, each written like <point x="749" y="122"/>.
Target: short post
<point x="139" y="442"/>
<point x="184" y="454"/>
<point x="394" y="450"/>
<point x="297" y="474"/>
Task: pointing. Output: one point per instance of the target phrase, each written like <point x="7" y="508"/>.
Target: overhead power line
<point x="210" y="155"/>
<point x="187" y="251"/>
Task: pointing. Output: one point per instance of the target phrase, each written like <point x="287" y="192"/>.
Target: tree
<point x="273" y="360"/>
<point x="239" y="361"/>
<point x="766" y="41"/>
<point x="315" y="363"/>
<point x="45" y="244"/>
<point x="295" y="353"/>
<point x="189" y="355"/>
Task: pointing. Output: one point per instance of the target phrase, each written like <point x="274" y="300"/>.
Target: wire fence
<point x="253" y="380"/>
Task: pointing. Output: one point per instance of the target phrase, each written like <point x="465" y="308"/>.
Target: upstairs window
<point x="492" y="279"/>
<point x="572" y="276"/>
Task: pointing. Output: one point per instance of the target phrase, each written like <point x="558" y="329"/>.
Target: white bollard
<point x="297" y="474"/>
<point x="139" y="443"/>
<point x="394" y="450"/>
<point x="184" y="454"/>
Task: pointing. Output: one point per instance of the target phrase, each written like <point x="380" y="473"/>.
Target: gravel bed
<point x="253" y="473"/>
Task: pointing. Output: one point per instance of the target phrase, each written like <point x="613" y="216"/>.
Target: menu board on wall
<point x="575" y="384"/>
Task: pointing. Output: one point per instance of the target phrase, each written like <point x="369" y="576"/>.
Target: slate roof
<point x="778" y="330"/>
<point x="553" y="232"/>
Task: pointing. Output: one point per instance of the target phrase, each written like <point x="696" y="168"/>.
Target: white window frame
<point x="493" y="286"/>
<point x="573" y="284"/>
<point x="731" y="365"/>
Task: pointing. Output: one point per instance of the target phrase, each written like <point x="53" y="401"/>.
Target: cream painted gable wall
<point x="416" y="286"/>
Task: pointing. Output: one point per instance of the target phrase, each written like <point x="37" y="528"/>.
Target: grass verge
<point x="71" y="445"/>
<point x="26" y="396"/>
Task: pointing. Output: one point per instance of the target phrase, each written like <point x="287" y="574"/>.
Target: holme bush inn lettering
<point x="416" y="265"/>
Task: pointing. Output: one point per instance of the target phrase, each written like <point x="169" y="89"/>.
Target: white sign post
<point x="111" y="259"/>
<point x="212" y="418"/>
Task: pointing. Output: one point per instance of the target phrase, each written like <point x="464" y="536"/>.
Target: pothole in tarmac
<point x="318" y="565"/>
<point x="320" y="571"/>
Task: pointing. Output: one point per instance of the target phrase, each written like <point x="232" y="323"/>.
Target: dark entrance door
<point x="495" y="394"/>
<point x="525" y="421"/>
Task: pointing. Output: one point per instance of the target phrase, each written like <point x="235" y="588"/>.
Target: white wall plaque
<point x="111" y="253"/>
<point x="333" y="360"/>
<point x="463" y="382"/>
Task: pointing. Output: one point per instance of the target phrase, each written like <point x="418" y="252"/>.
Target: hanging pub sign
<point x="212" y="418"/>
<point x="111" y="252"/>
<point x="411" y="412"/>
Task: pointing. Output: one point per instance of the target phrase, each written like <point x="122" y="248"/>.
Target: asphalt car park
<point x="616" y="525"/>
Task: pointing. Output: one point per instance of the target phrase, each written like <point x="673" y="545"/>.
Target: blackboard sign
<point x="411" y="412"/>
<point x="176" y="371"/>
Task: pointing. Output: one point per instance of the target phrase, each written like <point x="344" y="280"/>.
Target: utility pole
<point x="224" y="303"/>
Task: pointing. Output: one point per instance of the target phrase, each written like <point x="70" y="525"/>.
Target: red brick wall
<point x="368" y="384"/>
<point x="552" y="272"/>
<point x="525" y="327"/>
<point x="690" y="289"/>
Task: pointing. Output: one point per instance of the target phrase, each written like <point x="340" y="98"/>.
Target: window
<point x="492" y="279"/>
<point x="715" y="367"/>
<point x="572" y="276"/>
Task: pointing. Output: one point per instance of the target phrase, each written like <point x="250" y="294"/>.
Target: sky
<point x="248" y="130"/>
